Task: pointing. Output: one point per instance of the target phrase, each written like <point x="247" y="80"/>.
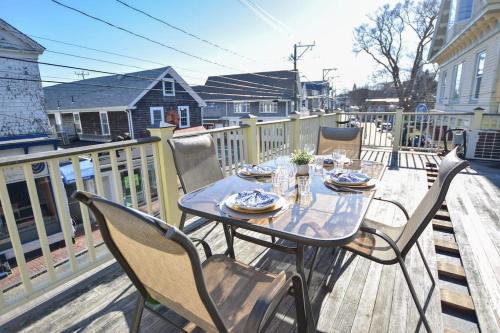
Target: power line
<point x="142" y="36"/>
<point x="113" y="53"/>
<point x="185" y="32"/>
<point x="125" y="87"/>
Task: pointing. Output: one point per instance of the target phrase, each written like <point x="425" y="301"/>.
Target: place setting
<point x="254" y="204"/>
<point x="348" y="181"/>
<point x="256" y="172"/>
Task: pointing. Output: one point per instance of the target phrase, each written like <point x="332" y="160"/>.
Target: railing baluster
<point x="159" y="187"/>
<point x="84" y="210"/>
<point x="117" y="180"/>
<point x="14" y="234"/>
<point x="131" y="177"/>
<point x="229" y="138"/>
<point x="39" y="223"/>
<point x="145" y="179"/>
<point x="62" y="210"/>
<point x="97" y="174"/>
<point x="223" y="142"/>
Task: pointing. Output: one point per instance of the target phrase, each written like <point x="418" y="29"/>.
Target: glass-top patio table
<point x="324" y="218"/>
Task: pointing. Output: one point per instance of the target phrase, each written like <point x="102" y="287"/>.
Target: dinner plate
<point x="252" y="201"/>
<point x="256" y="171"/>
<point x="348" y="179"/>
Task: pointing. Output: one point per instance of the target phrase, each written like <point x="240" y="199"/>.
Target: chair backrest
<point x="196" y="161"/>
<point x="331" y="138"/>
<point x="160" y="260"/>
<point x="450" y="166"/>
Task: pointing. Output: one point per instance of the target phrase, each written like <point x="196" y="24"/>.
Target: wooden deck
<point x="349" y="293"/>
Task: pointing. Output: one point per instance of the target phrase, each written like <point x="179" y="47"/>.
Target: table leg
<point x="229" y="240"/>
<point x="311" y="270"/>
<point x="311" y="325"/>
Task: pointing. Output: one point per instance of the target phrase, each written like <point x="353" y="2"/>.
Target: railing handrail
<point x="491" y="114"/>
<point x="278" y="121"/>
<point x="209" y="131"/>
<point x="438" y="113"/>
<point x="47" y="155"/>
<point x="309" y="117"/>
<point x="367" y="113"/>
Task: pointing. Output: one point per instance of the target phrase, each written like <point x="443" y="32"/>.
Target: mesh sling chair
<point x="331" y="138"/>
<point x="389" y="245"/>
<point x="218" y="295"/>
<point x="195" y="159"/>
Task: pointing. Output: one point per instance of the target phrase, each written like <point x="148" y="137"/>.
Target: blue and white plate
<point x="252" y="200"/>
<point x="256" y="170"/>
<point x="348" y="178"/>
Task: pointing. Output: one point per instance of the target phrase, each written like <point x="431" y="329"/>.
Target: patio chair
<point x="195" y="159"/>
<point x="389" y="245"/>
<point x="331" y="138"/>
<point x="217" y="295"/>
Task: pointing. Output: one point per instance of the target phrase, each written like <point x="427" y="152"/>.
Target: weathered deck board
<point x="362" y="297"/>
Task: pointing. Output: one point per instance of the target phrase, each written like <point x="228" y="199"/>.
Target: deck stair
<point x="457" y="304"/>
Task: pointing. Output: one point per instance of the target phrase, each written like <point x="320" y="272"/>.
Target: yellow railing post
<point x="295" y="131"/>
<point x="397" y="130"/>
<point x="251" y="138"/>
<point x="168" y="175"/>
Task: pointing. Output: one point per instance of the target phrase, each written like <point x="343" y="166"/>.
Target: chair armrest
<point x="398" y="204"/>
<point x="204" y="244"/>
<point x="267" y="304"/>
<point x="382" y="235"/>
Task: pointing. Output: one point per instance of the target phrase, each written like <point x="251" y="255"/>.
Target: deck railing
<point x="154" y="186"/>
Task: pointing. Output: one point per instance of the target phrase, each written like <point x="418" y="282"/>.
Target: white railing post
<point x="295" y="131"/>
<point x="251" y="138"/>
<point x="396" y="139"/>
<point x="477" y="119"/>
<point x="320" y="114"/>
<point x="168" y="175"/>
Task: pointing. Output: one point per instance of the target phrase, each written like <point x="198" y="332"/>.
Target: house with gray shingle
<point x="109" y="108"/>
<point x="267" y="95"/>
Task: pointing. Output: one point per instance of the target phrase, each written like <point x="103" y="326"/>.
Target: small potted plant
<point x="302" y="159"/>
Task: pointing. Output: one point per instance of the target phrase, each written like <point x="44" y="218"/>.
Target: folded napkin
<point x="349" y="177"/>
<point x="254" y="199"/>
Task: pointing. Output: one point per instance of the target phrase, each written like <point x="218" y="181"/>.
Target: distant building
<point x="114" y="107"/>
<point x="24" y="129"/>
<point x="316" y="96"/>
<point x="267" y="95"/>
<point x="466" y="45"/>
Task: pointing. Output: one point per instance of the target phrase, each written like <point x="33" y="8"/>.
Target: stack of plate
<point x="350" y="179"/>
<point x="254" y="202"/>
<point x="256" y="171"/>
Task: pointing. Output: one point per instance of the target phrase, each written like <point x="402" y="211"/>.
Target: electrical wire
<point x="143" y="37"/>
<point x="185" y="32"/>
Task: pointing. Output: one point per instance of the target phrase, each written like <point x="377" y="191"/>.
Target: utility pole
<point x="326" y="71"/>
<point x="82" y="74"/>
<point x="296" y="57"/>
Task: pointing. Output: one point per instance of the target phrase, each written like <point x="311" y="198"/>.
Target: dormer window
<point x="168" y="87"/>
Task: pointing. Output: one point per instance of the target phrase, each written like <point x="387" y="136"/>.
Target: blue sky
<point x="229" y="23"/>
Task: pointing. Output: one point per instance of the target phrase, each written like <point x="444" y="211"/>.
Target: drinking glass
<point x="339" y="156"/>
<point x="304" y="184"/>
<point x="318" y="166"/>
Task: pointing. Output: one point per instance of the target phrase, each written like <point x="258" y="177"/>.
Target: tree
<point x="385" y="40"/>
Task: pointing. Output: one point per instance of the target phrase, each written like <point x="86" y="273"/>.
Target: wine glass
<point x="310" y="148"/>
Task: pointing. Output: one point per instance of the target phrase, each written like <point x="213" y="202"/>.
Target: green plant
<point x="301" y="158"/>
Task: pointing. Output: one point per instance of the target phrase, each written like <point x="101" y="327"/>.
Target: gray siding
<point x="216" y="110"/>
<point x="141" y="116"/>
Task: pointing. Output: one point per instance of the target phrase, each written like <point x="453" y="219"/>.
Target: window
<point x="241" y="107"/>
<point x="268" y="107"/>
<point x="460" y="10"/>
<point x="168" y="87"/>
<point x="157" y="115"/>
<point x="104" y="123"/>
<point x="183" y="112"/>
<point x="443" y="86"/>
<point x="457" y="76"/>
<point x="478" y="75"/>
<point x="78" y="123"/>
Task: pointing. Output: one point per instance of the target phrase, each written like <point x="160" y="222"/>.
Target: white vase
<point x="303" y="170"/>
